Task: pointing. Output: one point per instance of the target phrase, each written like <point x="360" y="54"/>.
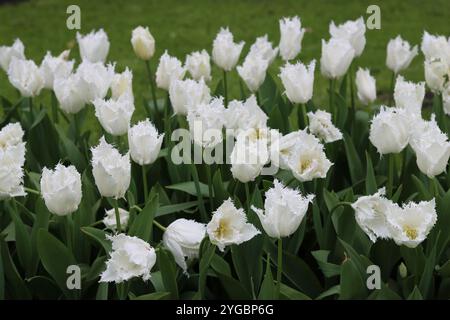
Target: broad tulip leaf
<point x="98" y="236"/>
<point x="189" y="187"/>
<point x="267" y="290"/>
<point x="206" y="254"/>
<point x="168" y="270"/>
<point x="143" y="224"/>
<point x="154" y="296"/>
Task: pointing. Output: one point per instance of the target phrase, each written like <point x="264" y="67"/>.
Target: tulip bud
<point x="253" y="72"/>
<point x="409" y="96"/>
<point x="337" y="55"/>
<point x="26" y="77"/>
<point x="291" y="36"/>
<point x="70" y="93"/>
<point x="298" y="81"/>
<point x="199" y="66"/>
<point x="399" y="54"/>
<point x="7" y="53"/>
<point x="115" y="115"/>
<point x="321" y="126"/>
<point x="366" y="86"/>
<point x="169" y="69"/>
<point x="264" y="49"/>
<point x="94" y="47"/>
<point x="61" y="189"/>
<point x="130" y="257"/>
<point x="110" y="219"/>
<point x="435" y="47"/>
<point x="402" y="270"/>
<point x="112" y="171"/>
<point x="283" y="212"/>
<point x="122" y="84"/>
<point x="437" y="74"/>
<point x="225" y="52"/>
<point x="229" y="226"/>
<point x="143" y="43"/>
<point x="353" y="32"/>
<point x="389" y="130"/>
<point x="55" y="68"/>
<point x="145" y="142"/>
<point x="183" y="238"/>
<point x="96" y="79"/>
<point x="187" y="94"/>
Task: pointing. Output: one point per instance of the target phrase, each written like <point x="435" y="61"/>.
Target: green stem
<point x="343" y="203"/>
<point x="247" y="196"/>
<point x="225" y="87"/>
<point x="152" y="85"/>
<point x="352" y="90"/>
<point x="32" y="191"/>
<point x="160" y="226"/>
<point x="390" y="181"/>
<point x="144" y="181"/>
<point x="391" y="91"/>
<point x="116" y="212"/>
<point x="68" y="228"/>
<point x="201" y="205"/>
<point x="332" y="111"/>
<point x="54" y="103"/>
<point x="76" y="128"/>
<point x="305" y="116"/>
<point x="279" y="267"/>
<point x="210" y="186"/>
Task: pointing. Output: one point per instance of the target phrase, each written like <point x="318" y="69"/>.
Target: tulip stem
<point x="339" y="204"/>
<point x="198" y="191"/>
<point x="247" y="196"/>
<point x="279" y="267"/>
<point x="332" y="111"/>
<point x="390" y="181"/>
<point x="152" y="86"/>
<point x="116" y="212"/>
<point x="305" y="117"/>
<point x="144" y="181"/>
<point x="160" y="226"/>
<point x="210" y="186"/>
<point x="54" y="103"/>
<point x="67" y="225"/>
<point x="32" y="191"/>
<point x="225" y="87"/>
<point x="391" y="91"/>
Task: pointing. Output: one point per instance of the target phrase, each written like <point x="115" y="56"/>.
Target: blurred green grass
<point x="185" y="26"/>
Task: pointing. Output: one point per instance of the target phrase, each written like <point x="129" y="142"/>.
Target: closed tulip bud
<point x="411" y="224"/>
<point x="130" y="257"/>
<point x="110" y="219"/>
<point x="437" y="73"/>
<point x="308" y="161"/>
<point x="253" y="72"/>
<point x="199" y="66"/>
<point x="337" y="55"/>
<point x="352" y="31"/>
<point x="169" y="69"/>
<point x="122" y="84"/>
<point x="399" y="54"/>
<point x="111" y="170"/>
<point x="298" y="81"/>
<point x="94" y="47"/>
<point x="12" y="159"/>
<point x="229" y="226"/>
<point x="264" y="49"/>
<point x="70" y="93"/>
<point x="7" y="53"/>
<point x="283" y="212"/>
<point x="431" y="147"/>
<point x="115" y="115"/>
<point x="61" y="189"/>
<point x="370" y="214"/>
<point x="145" y="142"/>
<point x="435" y="47"/>
<point x="187" y="94"/>
<point x="26" y="77"/>
<point x="225" y="51"/>
<point x="96" y="79"/>
<point x="321" y="126"/>
<point x="409" y="95"/>
<point x="245" y="115"/>
<point x="183" y="238"/>
<point x="291" y="36"/>
<point x="389" y="130"/>
<point x="206" y="117"/>
<point x="366" y="86"/>
<point x="143" y="43"/>
<point x="55" y="68"/>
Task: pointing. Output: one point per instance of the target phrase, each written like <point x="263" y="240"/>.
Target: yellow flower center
<point x="223" y="229"/>
<point x="411" y="233"/>
<point x="304" y="164"/>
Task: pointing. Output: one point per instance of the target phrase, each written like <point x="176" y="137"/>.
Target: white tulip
<point x="435" y="47"/>
<point x="352" y="31"/>
<point x="308" y="161"/>
<point x="225" y="51"/>
<point x="284" y="209"/>
<point x="115" y="115"/>
<point x="110" y="219"/>
<point x="291" y="36"/>
<point x="55" y="68"/>
<point x="111" y="170"/>
<point x="399" y="54"/>
<point x="188" y="94"/>
<point x="169" y="69"/>
<point x="183" y="238"/>
<point x="245" y="115"/>
<point x="122" y="84"/>
<point x="411" y="224"/>
<point x="229" y="226"/>
<point x="298" y="81"/>
<point x="437" y="73"/>
<point x="287" y="145"/>
<point x="143" y="43"/>
<point x="337" y="55"/>
<point x="366" y="86"/>
<point x="11" y="135"/>
<point x="263" y="48"/>
<point x="389" y="130"/>
<point x="199" y="66"/>
<point x="97" y="79"/>
<point x="253" y="72"/>
<point x="321" y="126"/>
<point x="70" y="93"/>
<point x="94" y="47"/>
<point x="61" y="189"/>
<point x="131" y="257"/>
<point x="205" y="118"/>
<point x="26" y="77"/>
<point x="7" y="53"/>
<point x="431" y="147"/>
<point x="145" y="142"/>
<point x="371" y="212"/>
<point x="409" y="96"/>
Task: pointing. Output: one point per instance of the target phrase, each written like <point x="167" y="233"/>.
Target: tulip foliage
<point x="332" y="190"/>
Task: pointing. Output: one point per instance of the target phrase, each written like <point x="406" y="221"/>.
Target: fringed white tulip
<point x="337" y="55"/>
<point x="143" y="43"/>
<point x="399" y="54"/>
<point x="352" y="31"/>
<point x="253" y="71"/>
<point x="94" y="47"/>
<point x="199" y="66"/>
<point x="263" y="48"/>
<point x="298" y="81"/>
<point x="55" y="68"/>
<point x="366" y="86"/>
<point x="188" y="94"/>
<point x="144" y="142"/>
<point x="110" y="219"/>
<point x="291" y="36"/>
<point x="17" y="50"/>
<point x="225" y="51"/>
<point x="26" y="77"/>
<point x="409" y="95"/>
<point x="321" y="126"/>
<point x="115" y="115"/>
<point x="169" y="69"/>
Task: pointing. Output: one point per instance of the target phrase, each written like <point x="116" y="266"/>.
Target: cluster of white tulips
<point x="303" y="152"/>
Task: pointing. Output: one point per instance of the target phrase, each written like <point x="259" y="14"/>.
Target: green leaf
<point x="444" y="270"/>
<point x="220" y="265"/>
<point x="154" y="296"/>
<point x="352" y="284"/>
<point x="205" y="256"/>
<point x="71" y="151"/>
<point x="415" y="294"/>
<point x="189" y="187"/>
<point x="173" y="208"/>
<point x="220" y="192"/>
<point x="267" y="290"/>
<point x="292" y="294"/>
<point x="2" y="279"/>
<point x="23" y="241"/>
<point x="371" y="183"/>
<point x="98" y="236"/>
<point x="168" y="270"/>
<point x="44" y="288"/>
<point x="353" y="160"/>
<point x="142" y="226"/>
<point x="426" y="281"/>
<point x="329" y="269"/>
<point x="334" y="290"/>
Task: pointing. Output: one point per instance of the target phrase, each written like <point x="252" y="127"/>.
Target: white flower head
<point x="26" y="77"/>
<point x="292" y="33"/>
<point x="122" y="84"/>
<point x="298" y="81"/>
<point x="435" y="47"/>
<point x="409" y="95"/>
<point x="188" y="94"/>
<point x="17" y="50"/>
<point x="199" y="66"/>
<point x="253" y="71"/>
<point x="55" y="68"/>
<point x="366" y="86"/>
<point x="110" y="219"/>
<point x="263" y="48"/>
<point x="94" y="47"/>
<point x="96" y="79"/>
<point x="70" y="93"/>
<point x="225" y="51"/>
<point x="399" y="54"/>
<point x="115" y="115"/>
<point x="321" y="126"/>
<point x="143" y="43"/>
<point x="437" y="74"/>
<point x="352" y="31"/>
<point x="169" y="69"/>
<point x="245" y="115"/>
<point x="337" y="55"/>
<point x="145" y="142"/>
